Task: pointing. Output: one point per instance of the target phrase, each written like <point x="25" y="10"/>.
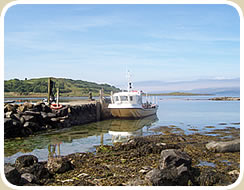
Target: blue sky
<point x="98" y="42"/>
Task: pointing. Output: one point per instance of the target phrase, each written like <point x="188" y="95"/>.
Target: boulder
<point x="234" y="172"/>
<point x="28" y="178"/>
<point x="29" y="118"/>
<point x="174" y="169"/>
<point x="38" y="170"/>
<point x="55" y="119"/>
<point x="174" y="158"/>
<point x="45" y="108"/>
<point x="10" y="108"/>
<point x="25" y="107"/>
<point x="33" y="113"/>
<point x="25" y="132"/>
<point x="58" y="165"/>
<point x="9" y="114"/>
<point x="32" y="125"/>
<point x="38" y="106"/>
<point x="11" y="174"/>
<point x="51" y="115"/>
<point x="62" y="112"/>
<point x="16" y="123"/>
<point x="228" y="146"/>
<point x="12" y="128"/>
<point x="25" y="161"/>
<point x="209" y="177"/>
<point x="44" y="115"/>
<point x="17" y="116"/>
<point x="135" y="182"/>
<point x="169" y="176"/>
<point x="8" y="122"/>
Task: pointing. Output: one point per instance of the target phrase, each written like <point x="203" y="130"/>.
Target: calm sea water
<point x="187" y="113"/>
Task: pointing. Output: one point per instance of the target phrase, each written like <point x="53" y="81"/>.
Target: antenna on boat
<point x="128" y="76"/>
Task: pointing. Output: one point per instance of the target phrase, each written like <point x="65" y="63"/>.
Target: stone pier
<point x="27" y="119"/>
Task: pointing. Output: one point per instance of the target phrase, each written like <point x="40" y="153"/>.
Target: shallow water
<point x="189" y="114"/>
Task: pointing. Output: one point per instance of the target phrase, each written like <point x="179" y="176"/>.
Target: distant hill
<point x="231" y="91"/>
<point x="67" y="87"/>
<point x="205" y="86"/>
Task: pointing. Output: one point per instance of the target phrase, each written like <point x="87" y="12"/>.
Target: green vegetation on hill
<point x="67" y="87"/>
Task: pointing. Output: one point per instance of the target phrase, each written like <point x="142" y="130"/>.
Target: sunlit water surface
<point x="186" y="113"/>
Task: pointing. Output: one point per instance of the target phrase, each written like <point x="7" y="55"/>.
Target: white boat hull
<point x="132" y="112"/>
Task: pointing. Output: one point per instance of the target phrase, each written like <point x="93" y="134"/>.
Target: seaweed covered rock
<point x="209" y="177"/>
<point x="31" y="171"/>
<point x="174" y="169"/>
<point x="169" y="176"/>
<point x="228" y="146"/>
<point x="25" y="161"/>
<point x="145" y="145"/>
<point x="58" y="165"/>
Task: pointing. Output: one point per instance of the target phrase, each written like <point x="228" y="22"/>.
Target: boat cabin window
<point x="131" y="98"/>
<point x="116" y="98"/>
<point x="124" y="98"/>
<point x="139" y="100"/>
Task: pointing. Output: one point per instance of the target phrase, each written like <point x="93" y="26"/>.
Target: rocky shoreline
<point x="21" y="120"/>
<point x="158" y="160"/>
<point x="225" y="99"/>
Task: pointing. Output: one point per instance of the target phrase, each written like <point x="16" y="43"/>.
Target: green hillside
<point x="67" y="87"/>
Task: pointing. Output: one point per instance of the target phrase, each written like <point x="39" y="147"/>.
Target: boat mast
<point x="129" y="81"/>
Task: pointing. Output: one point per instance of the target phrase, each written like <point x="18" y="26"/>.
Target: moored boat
<point x="128" y="104"/>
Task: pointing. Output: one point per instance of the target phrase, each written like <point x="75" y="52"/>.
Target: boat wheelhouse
<point x="129" y="104"/>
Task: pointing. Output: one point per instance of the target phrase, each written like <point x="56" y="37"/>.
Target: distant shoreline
<point x="179" y="94"/>
<point x="95" y="95"/>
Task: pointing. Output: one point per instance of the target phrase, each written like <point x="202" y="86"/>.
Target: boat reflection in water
<point x="77" y="139"/>
<point x="122" y="130"/>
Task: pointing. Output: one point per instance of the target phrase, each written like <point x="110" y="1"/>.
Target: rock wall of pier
<point x="27" y="119"/>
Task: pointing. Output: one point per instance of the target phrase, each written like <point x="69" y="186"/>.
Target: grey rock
<point x="44" y="115"/>
<point x="168" y="176"/>
<point x="25" y="161"/>
<point x="16" y="123"/>
<point x="234" y="172"/>
<point x="55" y="119"/>
<point x="8" y="122"/>
<point x="29" y="118"/>
<point x="22" y="120"/>
<point x="135" y="182"/>
<point x="228" y="146"/>
<point x="37" y="169"/>
<point x="17" y="116"/>
<point x="58" y="165"/>
<point x="10" y="108"/>
<point x="51" y="115"/>
<point x="33" y="113"/>
<point x="62" y="112"/>
<point x="11" y="174"/>
<point x="174" y="158"/>
<point x="46" y="108"/>
<point x="9" y="114"/>
<point x="25" y="107"/>
<point x="32" y="125"/>
<point x="28" y="178"/>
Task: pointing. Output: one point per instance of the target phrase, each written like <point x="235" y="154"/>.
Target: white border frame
<point x="112" y="2"/>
